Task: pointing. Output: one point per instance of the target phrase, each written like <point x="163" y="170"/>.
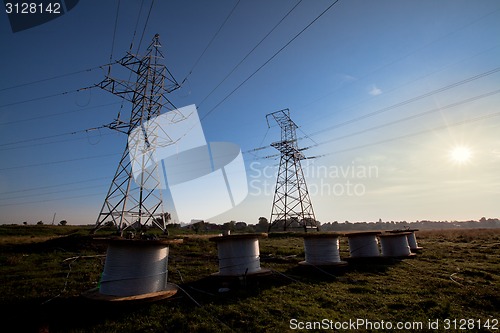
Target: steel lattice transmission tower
<point x="292" y="205"/>
<point x="136" y="202"/>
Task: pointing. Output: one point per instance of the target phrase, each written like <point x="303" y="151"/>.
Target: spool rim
<point x="137" y="242"/>
<point x="322" y="235"/>
<point x="362" y="233"/>
<point x="338" y="263"/>
<point x="395" y="234"/>
<point x="95" y="295"/>
<point x="237" y="236"/>
<point x="410" y="255"/>
<point x="261" y="271"/>
<point x="402" y="230"/>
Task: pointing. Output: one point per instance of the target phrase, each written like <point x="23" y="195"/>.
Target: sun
<point x="460" y="154"/>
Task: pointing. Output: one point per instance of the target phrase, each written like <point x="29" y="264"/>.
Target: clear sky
<point x="399" y="99"/>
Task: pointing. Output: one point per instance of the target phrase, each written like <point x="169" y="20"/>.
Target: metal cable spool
<point x="363" y="244"/>
<point x="322" y="249"/>
<point x="412" y="239"/>
<point x="133" y="270"/>
<point x="239" y="254"/>
<point x="395" y="244"/>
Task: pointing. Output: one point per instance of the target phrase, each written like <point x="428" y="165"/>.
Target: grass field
<point x="45" y="269"/>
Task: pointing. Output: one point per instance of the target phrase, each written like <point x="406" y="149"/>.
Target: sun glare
<point x="461" y="154"/>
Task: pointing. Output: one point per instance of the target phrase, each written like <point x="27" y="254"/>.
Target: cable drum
<point x="322" y="249"/>
<point x="412" y="239"/>
<point x="395" y="244"/>
<point x="363" y="244"/>
<point x="134" y="268"/>
<point x="238" y="254"/>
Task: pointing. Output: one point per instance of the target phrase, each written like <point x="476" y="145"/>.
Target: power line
<point x="53" y="78"/>
<point x="45" y="97"/>
<point x="460" y="123"/>
<point x="211" y="41"/>
<point x="145" y="25"/>
<point x="468" y="100"/>
<point x="53" y="186"/>
<point x="418" y="115"/>
<point x="423" y="47"/>
<point x="269" y="60"/>
<point x="408" y="101"/>
<point x="53" y="192"/>
<point x="57" y="162"/>
<point x="251" y="51"/>
<point x="57" y="114"/>
<point x="114" y="31"/>
<point x="136" y="25"/>
<point x="58" y="141"/>
<point x="48" y="200"/>
<point x="52" y="136"/>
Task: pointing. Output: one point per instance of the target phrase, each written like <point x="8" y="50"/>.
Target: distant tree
<point x="39" y="223"/>
<point x="262" y="225"/>
<point x="25" y="223"/>
<point x="229" y="225"/>
<point x="63" y="222"/>
<point x="198" y="226"/>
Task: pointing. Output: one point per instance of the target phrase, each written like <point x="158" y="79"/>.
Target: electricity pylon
<point x="136" y="200"/>
<point x="292" y="205"/>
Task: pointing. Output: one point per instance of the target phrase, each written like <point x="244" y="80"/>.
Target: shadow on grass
<point x="69" y="243"/>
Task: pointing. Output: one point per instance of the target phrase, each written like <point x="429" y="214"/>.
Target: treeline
<point x="424" y="224"/>
<point x="262" y="225"/>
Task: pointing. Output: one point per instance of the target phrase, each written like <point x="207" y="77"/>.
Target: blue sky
<point x="359" y="82"/>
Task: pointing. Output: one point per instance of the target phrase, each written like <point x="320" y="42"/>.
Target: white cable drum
<point x="363" y="244"/>
<point x="412" y="239"/>
<point x="238" y="254"/>
<point x="395" y="244"/>
<point x="322" y="249"/>
<point x="134" y="268"/>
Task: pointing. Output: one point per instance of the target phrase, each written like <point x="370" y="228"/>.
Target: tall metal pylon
<point x="136" y="201"/>
<point x="292" y="205"/>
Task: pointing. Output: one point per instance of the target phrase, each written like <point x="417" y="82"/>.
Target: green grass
<point x="457" y="276"/>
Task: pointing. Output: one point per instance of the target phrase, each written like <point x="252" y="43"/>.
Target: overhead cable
<point x="211" y="41"/>
<point x="249" y="53"/>
<point x="411" y="100"/>
<point x="52" y="136"/>
<point x="58" y="162"/>
<point x="418" y="115"/>
<point x="460" y="123"/>
<point x="53" y="186"/>
<point x="271" y="58"/>
<point x="53" y="78"/>
<point x="56" y="114"/>
<point x="45" y="97"/>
